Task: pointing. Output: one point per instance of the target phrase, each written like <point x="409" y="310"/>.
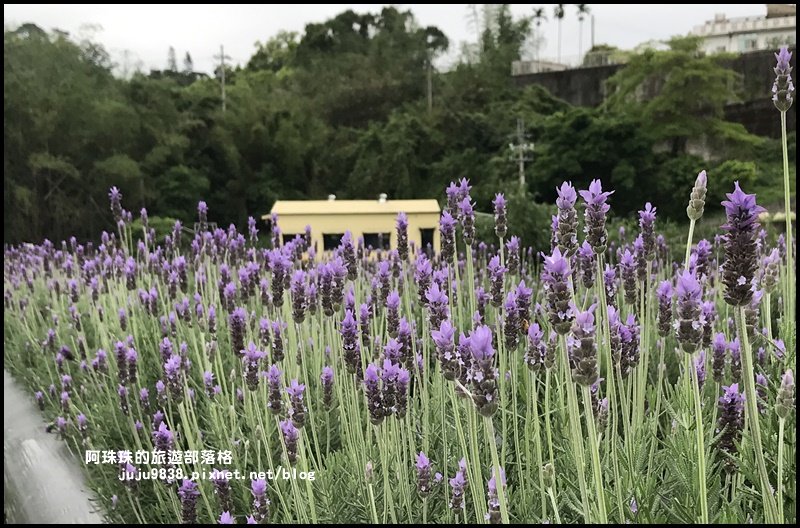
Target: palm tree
<point x="538" y="16"/>
<point x="559" y="13"/>
<point x="583" y="10"/>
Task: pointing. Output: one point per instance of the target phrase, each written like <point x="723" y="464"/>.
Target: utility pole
<point x="222" y="58"/>
<point x="521" y="151"/>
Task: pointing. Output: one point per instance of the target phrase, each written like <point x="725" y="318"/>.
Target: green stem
<point x="752" y="418"/>
<point x="700" y="439"/>
<point x="789" y="305"/>
<point x="781" y="423"/>
<point x="689" y="244"/>
<point x="575" y="432"/>
<point x="595" y="452"/>
<point x="501" y="492"/>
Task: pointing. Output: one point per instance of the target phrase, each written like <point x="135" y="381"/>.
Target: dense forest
<point x="354" y="107"/>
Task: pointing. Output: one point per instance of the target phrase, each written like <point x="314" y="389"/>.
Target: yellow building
<point x="374" y="220"/>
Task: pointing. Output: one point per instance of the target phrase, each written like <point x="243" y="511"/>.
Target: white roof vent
<point x="382" y="198"/>
<point x="331" y="197"/>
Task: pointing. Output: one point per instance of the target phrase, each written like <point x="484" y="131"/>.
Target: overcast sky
<point x="147" y="31"/>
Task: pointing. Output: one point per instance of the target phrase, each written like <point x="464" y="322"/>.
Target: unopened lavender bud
<point x="697" y="199"/>
<point x="719" y="348"/>
<point x="500" y="217"/>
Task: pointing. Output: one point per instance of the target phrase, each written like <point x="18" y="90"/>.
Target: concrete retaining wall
<point x="43" y="482"/>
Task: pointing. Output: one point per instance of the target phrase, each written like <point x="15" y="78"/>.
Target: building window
<point x="426" y="239"/>
<point x="331" y="241"/>
<point x="288" y="237"/>
<point x="377" y="240"/>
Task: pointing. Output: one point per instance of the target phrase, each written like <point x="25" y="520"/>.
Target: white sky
<point x="147" y="31"/>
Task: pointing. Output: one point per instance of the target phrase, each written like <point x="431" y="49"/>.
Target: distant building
<point x="374" y="220"/>
<point x="527" y="67"/>
<point x="744" y="34"/>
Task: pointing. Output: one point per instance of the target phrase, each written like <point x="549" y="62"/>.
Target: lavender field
<point x="601" y="382"/>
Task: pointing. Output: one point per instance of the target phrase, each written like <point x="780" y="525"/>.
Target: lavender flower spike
<point x="697" y="199"/>
<point x="493" y="515"/>
<point x="730" y="422"/>
<point x="566" y="232"/>
<point x="424" y="480"/>
<point x="583" y="349"/>
<point x="595" y="215"/>
<point x="500" y="215"/>
<point x="482" y="373"/>
<point x="689" y="325"/>
<point x="783" y="88"/>
<point x="402" y="235"/>
<point x="188" y="494"/>
<point x="458" y="486"/>
<point x="784" y="401"/>
<point x="556" y="278"/>
<point x="741" y="258"/>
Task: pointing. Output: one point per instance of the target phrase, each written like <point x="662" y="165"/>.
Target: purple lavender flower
<point x="583" y="349"/>
<point x="443" y="339"/>
<point x="297" y="411"/>
<point x="226" y="518"/>
<point x="702" y="254"/>
<point x="647" y="220"/>
<point x="402" y="235"/>
<point x="700" y="368"/>
<point x="730" y="422"/>
<point x="610" y="282"/>
<point x="326" y="379"/>
<point x="424" y="481"/>
<point x="709" y="314"/>
<point x="290" y="437"/>
<point x="511" y="322"/>
<point x="627" y="265"/>
<point x="770" y="266"/>
<point x="512" y="257"/>
<point x="664" y="294"/>
<point x="222" y="489"/>
<point x="277" y="341"/>
<point x="258" y="488"/>
<point x="482" y="373"/>
<point x="438" y="305"/>
<point x="493" y="501"/>
<point x="719" y="348"/>
<point x="595" y="216"/>
<point x="689" y="324"/>
<point x="350" y="346"/>
<point x="237" y="321"/>
<point x="40" y="399"/>
<point x="447" y="231"/>
<point x="537" y="349"/>
<point x="741" y="259"/>
<point x="298" y="292"/>
<point x="783" y="88"/>
<point x="697" y="199"/>
<point x="566" y="222"/>
<point x="115" y="197"/>
<point x="274" y="382"/>
<point x="467" y="214"/>
<point x="458" y="486"/>
<point x="556" y="283"/>
<point x="392" y="312"/>
<point x="585" y="263"/>
<point x="500" y="216"/>
<point x="784" y="401"/>
<point x="252" y="359"/>
<point x="188" y="494"/>
<point x="372" y="391"/>
<point x="496" y="275"/>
